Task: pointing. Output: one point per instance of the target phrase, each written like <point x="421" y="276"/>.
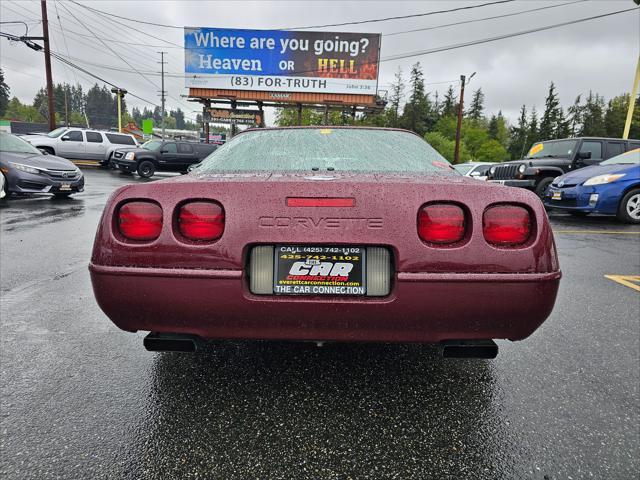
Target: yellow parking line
<point x="600" y="232"/>
<point x="626" y="280"/>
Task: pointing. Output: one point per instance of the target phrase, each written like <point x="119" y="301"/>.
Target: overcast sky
<point x="598" y="55"/>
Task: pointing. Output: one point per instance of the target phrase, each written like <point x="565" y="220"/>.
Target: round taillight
<point x="201" y="221"/>
<point x="140" y="220"/>
<point x="441" y="223"/>
<point x="506" y="225"/>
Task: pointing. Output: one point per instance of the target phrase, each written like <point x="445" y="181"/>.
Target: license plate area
<point x="319" y="270"/>
<point x="65" y="187"/>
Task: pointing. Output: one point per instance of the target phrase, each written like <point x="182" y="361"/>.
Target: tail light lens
<point x="506" y="225"/>
<point x="441" y="223"/>
<point x="201" y="221"/>
<point x="140" y="220"/>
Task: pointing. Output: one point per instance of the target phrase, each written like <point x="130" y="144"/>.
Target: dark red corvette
<point x="326" y="234"/>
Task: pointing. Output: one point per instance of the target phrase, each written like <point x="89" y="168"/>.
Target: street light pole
<point x="120" y="92"/>
<point x="456" y="154"/>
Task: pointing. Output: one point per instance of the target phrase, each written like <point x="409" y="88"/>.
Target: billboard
<point x="281" y="61"/>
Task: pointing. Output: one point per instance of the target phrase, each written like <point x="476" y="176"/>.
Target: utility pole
<point x="456" y="154"/>
<point x="162" y="92"/>
<point x="47" y="65"/>
<point x="632" y="102"/>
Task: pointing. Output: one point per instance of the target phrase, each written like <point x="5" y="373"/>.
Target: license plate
<point x="65" y="187"/>
<point x="556" y="196"/>
<point x="305" y="270"/>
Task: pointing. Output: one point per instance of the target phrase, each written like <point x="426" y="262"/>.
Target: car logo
<point x="561" y="183"/>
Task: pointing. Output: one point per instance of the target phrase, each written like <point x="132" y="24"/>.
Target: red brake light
<point x="202" y="221"/>
<point x="441" y="223"/>
<point x="140" y="220"/>
<point x="505" y="225"/>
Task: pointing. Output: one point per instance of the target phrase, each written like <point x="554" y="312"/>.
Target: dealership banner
<point x="281" y="61"/>
<point x="237" y="116"/>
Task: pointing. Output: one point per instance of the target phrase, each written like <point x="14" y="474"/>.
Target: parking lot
<point x="82" y="399"/>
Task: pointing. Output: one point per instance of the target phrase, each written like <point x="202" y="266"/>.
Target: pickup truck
<point x="552" y="158"/>
<point x="158" y="155"/>
<point x="81" y="143"/>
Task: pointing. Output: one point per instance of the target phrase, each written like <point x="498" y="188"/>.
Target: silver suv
<point x="81" y="143"/>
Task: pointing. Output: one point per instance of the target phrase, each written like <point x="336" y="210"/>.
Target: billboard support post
<point x="205" y="123"/>
<point x="326" y="115"/>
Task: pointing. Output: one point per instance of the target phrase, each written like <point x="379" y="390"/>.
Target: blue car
<point x="611" y="188"/>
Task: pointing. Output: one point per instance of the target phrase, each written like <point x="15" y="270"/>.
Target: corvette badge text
<point x="320" y="223"/>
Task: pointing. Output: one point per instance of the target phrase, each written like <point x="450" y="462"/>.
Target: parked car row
<point x="25" y="169"/>
<point x="158" y="155"/>
<point x="82" y="144"/>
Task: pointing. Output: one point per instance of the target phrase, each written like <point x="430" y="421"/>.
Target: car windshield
<point x="464" y="168"/>
<point x="13" y="144"/>
<point x="631" y="157"/>
<point x="57" y="132"/>
<point x="326" y="149"/>
<point x="562" y="148"/>
<point x="152" y="145"/>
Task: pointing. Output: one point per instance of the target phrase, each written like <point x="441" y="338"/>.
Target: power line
<point x="502" y="37"/>
<point x="400" y="17"/>
<point x="415" y="15"/>
<point x="108" y="47"/>
<point x="435" y="27"/>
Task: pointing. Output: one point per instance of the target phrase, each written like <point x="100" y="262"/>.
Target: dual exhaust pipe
<point x="168" y="342"/>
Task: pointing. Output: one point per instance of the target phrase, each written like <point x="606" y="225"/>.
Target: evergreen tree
<point x="416" y="109"/>
<point x="616" y="117"/>
<point x="476" y="107"/>
<point x="562" y="128"/>
<point x="518" y="136"/>
<point x="551" y="115"/>
<point x="179" y="116"/>
<point x="593" y="118"/>
<point x="397" y="93"/>
<point x="575" y="117"/>
<point x="533" y="130"/>
<point x="4" y="94"/>
<point x="449" y="103"/>
<point x="493" y="127"/>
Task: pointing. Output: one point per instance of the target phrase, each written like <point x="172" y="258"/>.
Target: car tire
<point x="629" y="208"/>
<point x="146" y="169"/>
<point x="4" y="187"/>
<point x="543" y="186"/>
<point x="49" y="150"/>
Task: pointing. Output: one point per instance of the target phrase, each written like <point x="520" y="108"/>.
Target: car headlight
<point x="601" y="179"/>
<point x="130" y="156"/>
<point x="25" y="168"/>
<point x="522" y="168"/>
<point x="492" y="170"/>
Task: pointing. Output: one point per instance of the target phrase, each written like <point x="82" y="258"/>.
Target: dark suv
<point x="159" y="155"/>
<point x="549" y="159"/>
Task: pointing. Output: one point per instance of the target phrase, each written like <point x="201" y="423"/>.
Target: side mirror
<point x="583" y="156"/>
<point x="474" y="174"/>
<point x="65" y="138"/>
<point x="164" y="151"/>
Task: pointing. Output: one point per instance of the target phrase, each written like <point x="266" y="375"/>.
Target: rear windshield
<point x="120" y="139"/>
<point x="326" y="149"/>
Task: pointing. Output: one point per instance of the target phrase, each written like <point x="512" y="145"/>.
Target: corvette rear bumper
<point x="422" y="307"/>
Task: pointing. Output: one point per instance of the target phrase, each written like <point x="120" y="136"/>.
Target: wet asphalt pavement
<point x="82" y="399"/>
